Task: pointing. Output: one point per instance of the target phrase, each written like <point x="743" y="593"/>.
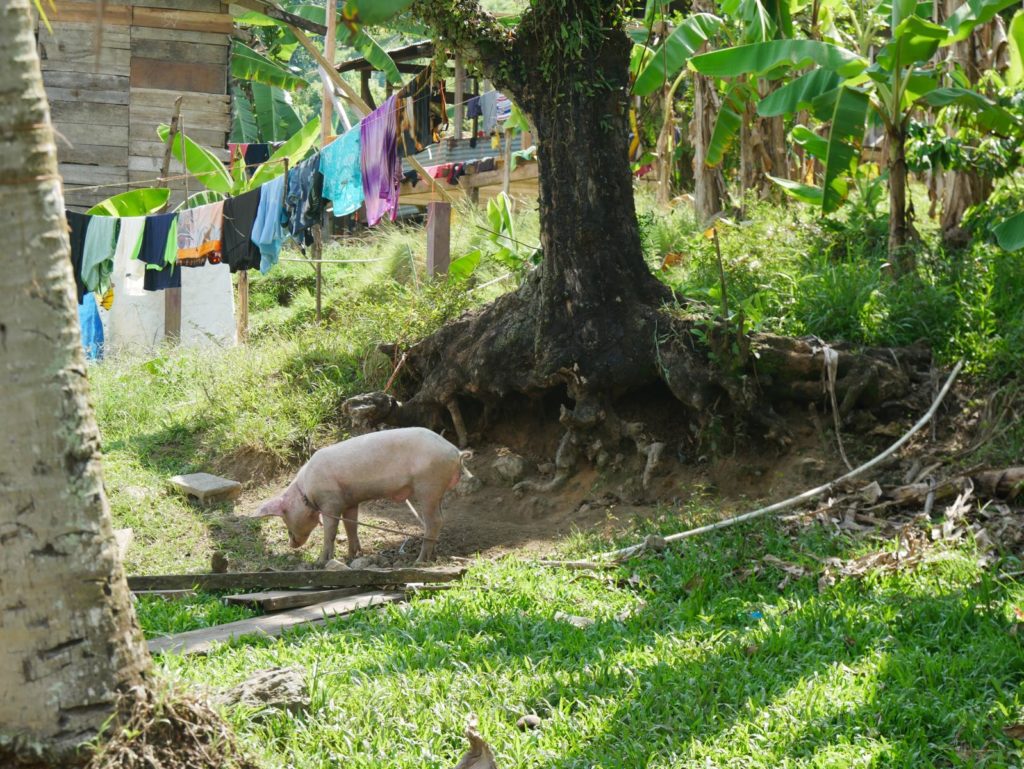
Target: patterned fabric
<point x="199" y="235"/>
<point x="340" y="163"/>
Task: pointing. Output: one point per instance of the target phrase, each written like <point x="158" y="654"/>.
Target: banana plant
<point x="899" y="78"/>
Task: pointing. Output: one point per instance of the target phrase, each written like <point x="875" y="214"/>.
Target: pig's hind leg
<point x="428" y="506"/>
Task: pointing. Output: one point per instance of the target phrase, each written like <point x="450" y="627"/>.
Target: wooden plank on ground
<point x="275" y="580"/>
<point x="195" y="21"/>
<point x="178" y="75"/>
<point x="168" y="595"/>
<point x="276" y="600"/>
<point x="272" y="625"/>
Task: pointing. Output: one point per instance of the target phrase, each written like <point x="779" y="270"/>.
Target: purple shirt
<point x="382" y="173"/>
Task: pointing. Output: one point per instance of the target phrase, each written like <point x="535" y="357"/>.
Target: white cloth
<point x="207" y="306"/>
<point x="136" y="318"/>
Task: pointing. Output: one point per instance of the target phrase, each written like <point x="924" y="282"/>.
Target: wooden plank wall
<point x="152" y="52"/>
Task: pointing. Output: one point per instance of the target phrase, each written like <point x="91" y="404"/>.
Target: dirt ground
<point x="486" y="517"/>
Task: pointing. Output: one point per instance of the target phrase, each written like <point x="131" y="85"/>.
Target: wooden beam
<point x="431" y="182"/>
<point x="332" y="73"/>
<point x="202" y="640"/>
<point x="330" y="49"/>
<point x="460" y="90"/>
<point x="278" y="600"/>
<point x="275" y="580"/>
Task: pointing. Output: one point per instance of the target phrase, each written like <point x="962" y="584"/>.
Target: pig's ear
<point x="271" y="509"/>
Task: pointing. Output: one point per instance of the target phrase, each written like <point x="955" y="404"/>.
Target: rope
<point x="137" y="182"/>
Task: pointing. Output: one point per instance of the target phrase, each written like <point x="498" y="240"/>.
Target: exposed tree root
<point x="719" y="376"/>
<point x="168" y="730"/>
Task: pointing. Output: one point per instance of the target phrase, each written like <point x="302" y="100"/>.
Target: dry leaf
<point x="479" y="755"/>
<point x="1015" y="731"/>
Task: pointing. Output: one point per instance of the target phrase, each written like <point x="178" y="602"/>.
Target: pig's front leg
<point x="330" y="534"/>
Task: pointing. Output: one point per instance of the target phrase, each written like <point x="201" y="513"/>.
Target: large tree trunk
<point x="67" y="632"/>
<point x="591" y="325"/>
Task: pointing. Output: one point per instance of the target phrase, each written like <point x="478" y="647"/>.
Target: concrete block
<point x="206" y="489"/>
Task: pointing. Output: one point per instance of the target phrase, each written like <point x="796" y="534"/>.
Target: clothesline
<point x="335" y="261"/>
<point x="135" y="182"/>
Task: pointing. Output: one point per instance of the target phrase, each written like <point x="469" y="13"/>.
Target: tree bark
<point x="901" y="258"/>
<point x="67" y="630"/>
<point x="708" y="183"/>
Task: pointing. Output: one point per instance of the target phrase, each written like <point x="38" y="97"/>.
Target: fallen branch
<point x="627" y="552"/>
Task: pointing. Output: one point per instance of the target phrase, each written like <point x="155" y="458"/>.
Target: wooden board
<point x="178" y="75"/>
<point x="163" y="98"/>
<point x="205" y="6"/>
<point x="171" y="50"/>
<point x="144" y="130"/>
<point x="167" y="595"/>
<point x="276" y="600"/>
<point x="88" y="112"/>
<point x="206" y="120"/>
<point x="273" y="625"/>
<point x="93" y="155"/>
<point x="84" y="12"/>
<point x="181" y="35"/>
<point x="80" y="174"/>
<point x="87" y="95"/>
<point x="268" y="580"/>
<point x="86" y="81"/>
<point x="72" y="51"/>
<point x="194" y="21"/>
<point x="155" y="149"/>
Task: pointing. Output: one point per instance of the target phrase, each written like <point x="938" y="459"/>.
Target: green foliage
<point x="657" y="68"/>
<point x="274" y="113"/>
<point x="199" y="161"/>
<point x="133" y="203"/>
<point x="247" y="64"/>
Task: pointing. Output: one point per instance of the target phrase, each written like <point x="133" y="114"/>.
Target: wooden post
<point x="242" y="324"/>
<point x="364" y="88"/>
<point x="460" y="89"/>
<point x="506" y="182"/>
<point x="172" y="296"/>
<point x="330" y="47"/>
<point x="317" y="257"/>
<point x="476" y="119"/>
<point x="439" y="236"/>
<point x="330" y="50"/>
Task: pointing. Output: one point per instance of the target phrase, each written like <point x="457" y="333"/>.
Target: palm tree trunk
<point x="901" y="258"/>
<point x="67" y="630"/>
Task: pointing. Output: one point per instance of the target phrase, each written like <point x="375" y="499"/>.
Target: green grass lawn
<point x="694" y="659"/>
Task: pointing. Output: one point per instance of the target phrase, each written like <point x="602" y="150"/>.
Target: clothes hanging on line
<point x="489" y="110"/>
<point x="91" y="326"/>
<point x="200" y="235"/>
<point x="98" y="252"/>
<point x="207" y="307"/>
<point x="126" y="261"/>
<point x="382" y="172"/>
<point x="268" y="230"/>
<point x="159" y="250"/>
<point x="236" y="239"/>
<point x="77" y="226"/>
<point x="303" y="201"/>
<point x="473" y="108"/>
<point x="137" y="317"/>
<point x="254" y="155"/>
<point x="423" y="113"/>
<point x="341" y="165"/>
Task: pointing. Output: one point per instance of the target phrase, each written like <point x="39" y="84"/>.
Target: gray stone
<point x="206" y="488"/>
<point x="469" y="485"/>
<point x="574" y="620"/>
<point x="273" y="689"/>
<point x="363" y="562"/>
<point x="335" y="565"/>
<point x="509" y="466"/>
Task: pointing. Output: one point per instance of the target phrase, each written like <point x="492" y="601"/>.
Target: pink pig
<point x="409" y="464"/>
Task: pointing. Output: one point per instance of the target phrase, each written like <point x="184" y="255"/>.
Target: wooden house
<point x="106" y="109"/>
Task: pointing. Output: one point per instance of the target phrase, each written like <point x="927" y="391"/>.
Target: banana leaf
<point x="815" y="145"/>
<point x="757" y="58"/>
<point x="243" y="119"/>
<point x="802" y="192"/>
<point x="199" y="161"/>
<point x="133" y="203"/>
<point x="971" y="14"/>
<point x="913" y="41"/>
<point x="274" y="113"/>
<point x="247" y="64"/>
<point x="295" y="149"/>
<point x="798" y="93"/>
<point x="1015" y="39"/>
<point x="727" y="124"/>
<point x="1010" y="234"/>
<point x="670" y="57"/>
<point x="988" y="114"/>
<point x="197" y="199"/>
<point x="847" y="124"/>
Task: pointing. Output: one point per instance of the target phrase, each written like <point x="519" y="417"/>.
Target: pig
<point x="409" y="464"/>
